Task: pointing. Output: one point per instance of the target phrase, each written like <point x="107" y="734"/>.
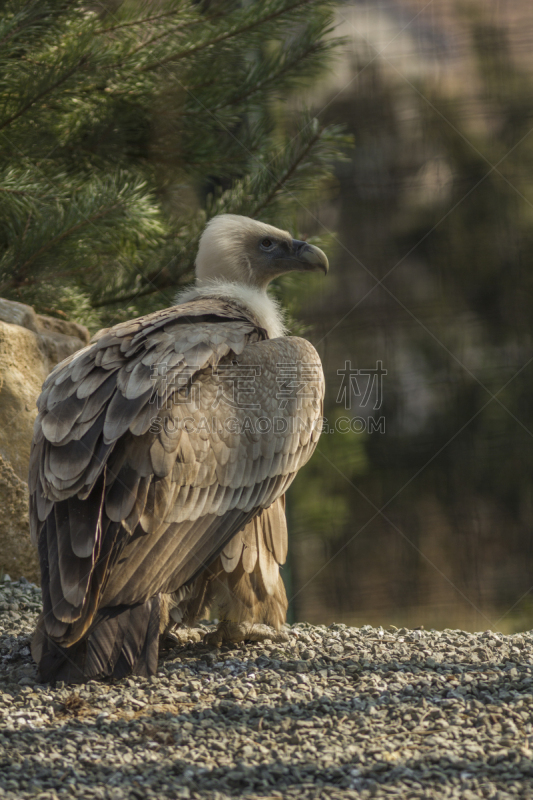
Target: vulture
<point x="160" y="459"/>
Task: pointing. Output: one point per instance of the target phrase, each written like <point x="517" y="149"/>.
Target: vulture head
<point x="249" y="252"/>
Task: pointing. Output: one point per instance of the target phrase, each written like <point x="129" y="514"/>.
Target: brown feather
<point x="122" y="494"/>
<point x="74" y="572"/>
<point x="80" y="366"/>
<point x="97" y="400"/>
<point x="144" y="419"/>
<point x="250" y="549"/>
<point x="121" y="413"/>
<point x="56" y="424"/>
<point x="70" y="460"/>
<point x="61" y="610"/>
<point x="162" y="460"/>
<point x="85" y="522"/>
<point x="133" y="519"/>
<point x="59" y="392"/>
<point x="231" y="554"/>
<point x="268" y="566"/>
<point x="92" y="382"/>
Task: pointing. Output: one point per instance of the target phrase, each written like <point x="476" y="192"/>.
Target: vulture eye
<point x="267" y="244"/>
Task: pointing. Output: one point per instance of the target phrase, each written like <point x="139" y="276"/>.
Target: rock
<point x="18" y="556"/>
<point x="59" y="330"/>
<point x="30" y="347"/>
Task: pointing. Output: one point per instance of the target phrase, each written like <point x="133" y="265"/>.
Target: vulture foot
<point x="180" y="637"/>
<point x="229" y="632"/>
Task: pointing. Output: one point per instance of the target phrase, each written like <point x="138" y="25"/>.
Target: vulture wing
<point x="153" y="447"/>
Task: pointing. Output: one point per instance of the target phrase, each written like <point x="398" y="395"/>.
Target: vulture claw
<point x="229" y="632"/>
<point x="179" y="637"/>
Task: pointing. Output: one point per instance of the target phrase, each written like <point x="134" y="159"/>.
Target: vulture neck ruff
<point x="266" y="310"/>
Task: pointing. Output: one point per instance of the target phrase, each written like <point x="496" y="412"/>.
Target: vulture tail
<point x="123" y="640"/>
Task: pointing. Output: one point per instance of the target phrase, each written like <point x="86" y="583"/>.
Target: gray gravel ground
<point x="336" y="712"/>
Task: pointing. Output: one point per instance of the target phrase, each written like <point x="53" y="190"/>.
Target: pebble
<point x="336" y="712"/>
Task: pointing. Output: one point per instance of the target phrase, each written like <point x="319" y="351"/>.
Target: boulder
<point x="30" y="346"/>
<point x="18" y="557"/>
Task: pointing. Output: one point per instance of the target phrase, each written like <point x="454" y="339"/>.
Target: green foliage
<point x="320" y="503"/>
<point x="123" y="130"/>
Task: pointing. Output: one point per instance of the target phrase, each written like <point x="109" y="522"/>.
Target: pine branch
<point x="15" y="191"/>
<point x="154" y="39"/>
<point x="55" y="241"/>
<point x="135" y="22"/>
<point x="120" y="299"/>
<point x="228" y="35"/>
<point x="83" y="60"/>
<point x="21" y="28"/>
<point x="43" y="16"/>
<point x="291" y="169"/>
<point x="272" y="79"/>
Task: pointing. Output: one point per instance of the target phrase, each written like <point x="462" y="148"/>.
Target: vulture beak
<point x="310" y="257"/>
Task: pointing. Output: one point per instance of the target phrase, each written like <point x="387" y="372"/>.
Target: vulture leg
<point x="243" y="583"/>
<point x="235" y="632"/>
<point x="251" y="590"/>
<point x="242" y="597"/>
<point x="247" y="611"/>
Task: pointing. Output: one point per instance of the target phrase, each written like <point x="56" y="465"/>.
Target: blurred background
<point x="428" y="522"/>
<point x="406" y="151"/>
